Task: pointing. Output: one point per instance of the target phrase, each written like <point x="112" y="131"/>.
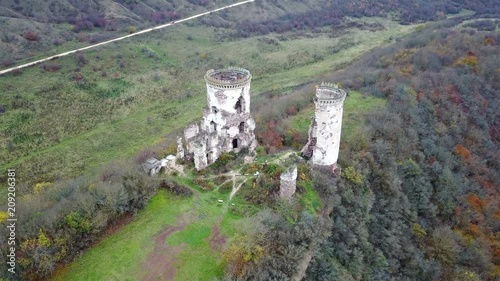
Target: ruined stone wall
<point x="288" y="182"/>
<point x="199" y="148"/>
<point x="180" y="148"/>
<point x="325" y="130"/>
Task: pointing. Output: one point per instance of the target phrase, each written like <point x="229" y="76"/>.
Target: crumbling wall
<point x="226" y="123"/>
<point x="191" y="131"/>
<point x="180" y="148"/>
<point x="288" y="182"/>
<point x="200" y="154"/>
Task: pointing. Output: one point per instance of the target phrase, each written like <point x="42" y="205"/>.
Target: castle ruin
<point x="226" y="124"/>
<point x="322" y="147"/>
<point x="288" y="182"/>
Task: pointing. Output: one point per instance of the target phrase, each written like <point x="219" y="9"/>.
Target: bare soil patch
<point x="216" y="239"/>
<point x="160" y="263"/>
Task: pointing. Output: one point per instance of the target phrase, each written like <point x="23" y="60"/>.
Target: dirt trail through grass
<point x="160" y="264"/>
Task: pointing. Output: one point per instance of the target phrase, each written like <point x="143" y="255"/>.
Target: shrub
<point x="176" y="188"/>
<point x="462" y="151"/>
<point x="31" y="36"/>
<point x="131" y="29"/>
<point x="223" y="162"/>
<point x="81" y="59"/>
<point x="351" y="175"/>
<point x="51" y="67"/>
<point x="7" y="62"/>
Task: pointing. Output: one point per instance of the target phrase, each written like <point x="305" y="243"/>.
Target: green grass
<point x="310" y="199"/>
<point x="196" y="261"/>
<point x="356" y="106"/>
<point x="197" y="264"/>
<point x="194" y="235"/>
<point x="119" y="256"/>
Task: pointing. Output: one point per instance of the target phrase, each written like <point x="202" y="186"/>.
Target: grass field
<point x="123" y="255"/>
<point x="119" y="256"/>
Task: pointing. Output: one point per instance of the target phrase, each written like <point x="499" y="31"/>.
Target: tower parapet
<point x="329" y="94"/>
<point x="228" y="90"/>
<point x="228" y="78"/>
<point x="324" y="133"/>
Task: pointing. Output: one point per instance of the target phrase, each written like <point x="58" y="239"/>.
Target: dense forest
<point x="418" y="195"/>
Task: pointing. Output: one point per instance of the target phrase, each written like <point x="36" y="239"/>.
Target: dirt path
<point x="236" y="188"/>
<point x="160" y="263"/>
<point x="282" y="157"/>
<point x="216" y="240"/>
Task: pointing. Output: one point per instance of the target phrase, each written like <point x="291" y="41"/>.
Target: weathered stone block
<point x="288" y="182"/>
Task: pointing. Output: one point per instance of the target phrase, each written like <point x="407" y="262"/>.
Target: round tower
<point x="228" y="90"/>
<point x="324" y="133"/>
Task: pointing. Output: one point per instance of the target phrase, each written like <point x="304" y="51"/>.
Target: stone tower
<point x="324" y="133"/>
<point x="226" y="124"/>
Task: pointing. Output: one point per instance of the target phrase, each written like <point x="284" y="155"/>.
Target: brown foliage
<point x="474" y="230"/>
<point x="474" y="201"/>
<point x="271" y="140"/>
<point x="468" y="60"/>
<point x="291" y="110"/>
<point x="462" y="151"/>
<point x="31" y="36"/>
<point x="489" y="40"/>
<point x="454" y="96"/>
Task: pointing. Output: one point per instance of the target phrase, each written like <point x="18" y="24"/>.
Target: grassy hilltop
<point x="416" y="196"/>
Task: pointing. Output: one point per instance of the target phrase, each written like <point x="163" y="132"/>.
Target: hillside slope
<point x="418" y="195"/>
<point x="427" y="207"/>
<point x="30" y="27"/>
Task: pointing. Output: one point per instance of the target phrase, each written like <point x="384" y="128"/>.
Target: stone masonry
<point x="288" y="182"/>
<point x="226" y="124"/>
<point x="323" y="144"/>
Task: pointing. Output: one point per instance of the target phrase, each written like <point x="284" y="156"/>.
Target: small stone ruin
<point x="152" y="166"/>
<point x="288" y="182"/>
